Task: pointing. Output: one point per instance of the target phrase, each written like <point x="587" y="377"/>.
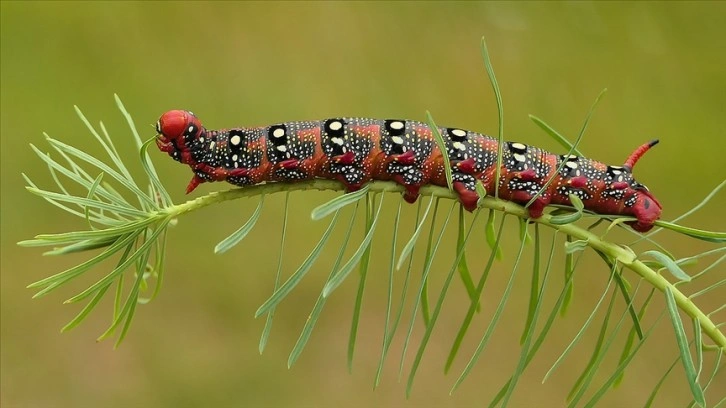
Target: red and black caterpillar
<point x="356" y="151"/>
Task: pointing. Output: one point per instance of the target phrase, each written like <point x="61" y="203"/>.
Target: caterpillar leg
<point x="465" y="187"/>
<point x="523" y="186"/>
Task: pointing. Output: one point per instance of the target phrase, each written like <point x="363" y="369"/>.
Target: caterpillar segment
<point x="355" y="151"/>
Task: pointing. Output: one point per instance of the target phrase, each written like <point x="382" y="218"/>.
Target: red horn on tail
<point x="638" y="153"/>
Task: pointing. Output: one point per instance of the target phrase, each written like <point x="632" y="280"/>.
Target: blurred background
<point x="245" y="64"/>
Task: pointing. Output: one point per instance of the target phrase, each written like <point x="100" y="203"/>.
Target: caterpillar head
<point x="645" y="207"/>
<point x="177" y="130"/>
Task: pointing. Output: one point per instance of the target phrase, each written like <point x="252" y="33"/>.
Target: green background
<point x="244" y="64"/>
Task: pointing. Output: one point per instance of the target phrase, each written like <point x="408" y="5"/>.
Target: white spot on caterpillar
<point x="519" y="157"/>
<point x="211" y="145"/>
<point x="458" y="132"/>
<point x="519" y="146"/>
<point x="191" y="129"/>
<point x="620" y="177"/>
<point x="337" y="141"/>
<point x="335" y="125"/>
<point x="235" y="140"/>
<point x="572" y="165"/>
<point x="201" y="139"/>
<point x="397" y="139"/>
<point x="279" y="132"/>
<point x="397" y="125"/>
<point x="235" y="157"/>
<point x="459" y="145"/>
<point x="282" y="148"/>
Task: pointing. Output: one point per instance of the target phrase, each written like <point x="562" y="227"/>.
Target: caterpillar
<point x="358" y="150"/>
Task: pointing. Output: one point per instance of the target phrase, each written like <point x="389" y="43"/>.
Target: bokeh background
<point x="237" y="64"/>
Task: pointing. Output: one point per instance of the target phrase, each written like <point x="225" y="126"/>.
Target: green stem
<point x="615" y="251"/>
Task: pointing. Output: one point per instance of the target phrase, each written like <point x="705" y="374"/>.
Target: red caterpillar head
<point x="646" y="208"/>
<point x="176" y="131"/>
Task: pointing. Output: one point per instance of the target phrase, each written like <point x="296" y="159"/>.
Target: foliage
<point x="135" y="231"/>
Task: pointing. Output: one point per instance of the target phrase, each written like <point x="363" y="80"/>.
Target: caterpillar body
<point x="358" y="150"/>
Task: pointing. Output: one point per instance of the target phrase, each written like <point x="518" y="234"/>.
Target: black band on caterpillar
<point x="357" y="150"/>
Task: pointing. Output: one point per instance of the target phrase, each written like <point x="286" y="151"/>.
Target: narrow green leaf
<point x="495" y="319"/>
<point x="297" y="276"/>
<point x="424" y="279"/>
<point x="146" y="162"/>
<point x="555" y="135"/>
<point x="686" y="359"/>
<point x="270" y="316"/>
<point x="127" y="310"/>
<point x="710" y="236"/>
<point x="491" y="235"/>
<point x="540" y="338"/>
<point x="85" y="311"/>
<point x="363" y="271"/>
<point x="651" y="397"/>
<point x="91" y="192"/>
<point x="155" y="184"/>
<point x="624" y="288"/>
<point x="636" y="329"/>
<point x="402" y="304"/>
<point x="572" y="149"/>
<point x="129" y="184"/>
<point x="389" y="297"/>
<point x="428" y="260"/>
<point x="54" y="166"/>
<point x="126" y="314"/>
<point x="160" y="255"/>
<point x="320" y="302"/>
<point x="600" y="350"/>
<point x="698" y="341"/>
<point x="529" y="330"/>
<point x="480" y="191"/>
<point x="412" y="242"/>
<point x="53" y="202"/>
<point x="442" y="147"/>
<point x="584" y="327"/>
<point x="133" y="300"/>
<point x="695" y="208"/>
<point x="85" y="202"/>
<point x="604" y="388"/>
<point x="472" y="306"/>
<point x="437" y="311"/>
<point x="237" y="236"/>
<point x="716" y="366"/>
<point x="69" y="274"/>
<point x="575" y="246"/>
<point x="500" y="111"/>
<point x="337" y="203"/>
<point x="566" y="218"/>
<point x="569" y="276"/>
<point x="705" y="271"/>
<point x="669" y="264"/>
<point x="106" y="280"/>
<point x="340" y="276"/>
<point x="534" y="288"/>
<point x="80" y="246"/>
<point x="72" y="237"/>
<point x="463" y="267"/>
<point x="571" y="217"/>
